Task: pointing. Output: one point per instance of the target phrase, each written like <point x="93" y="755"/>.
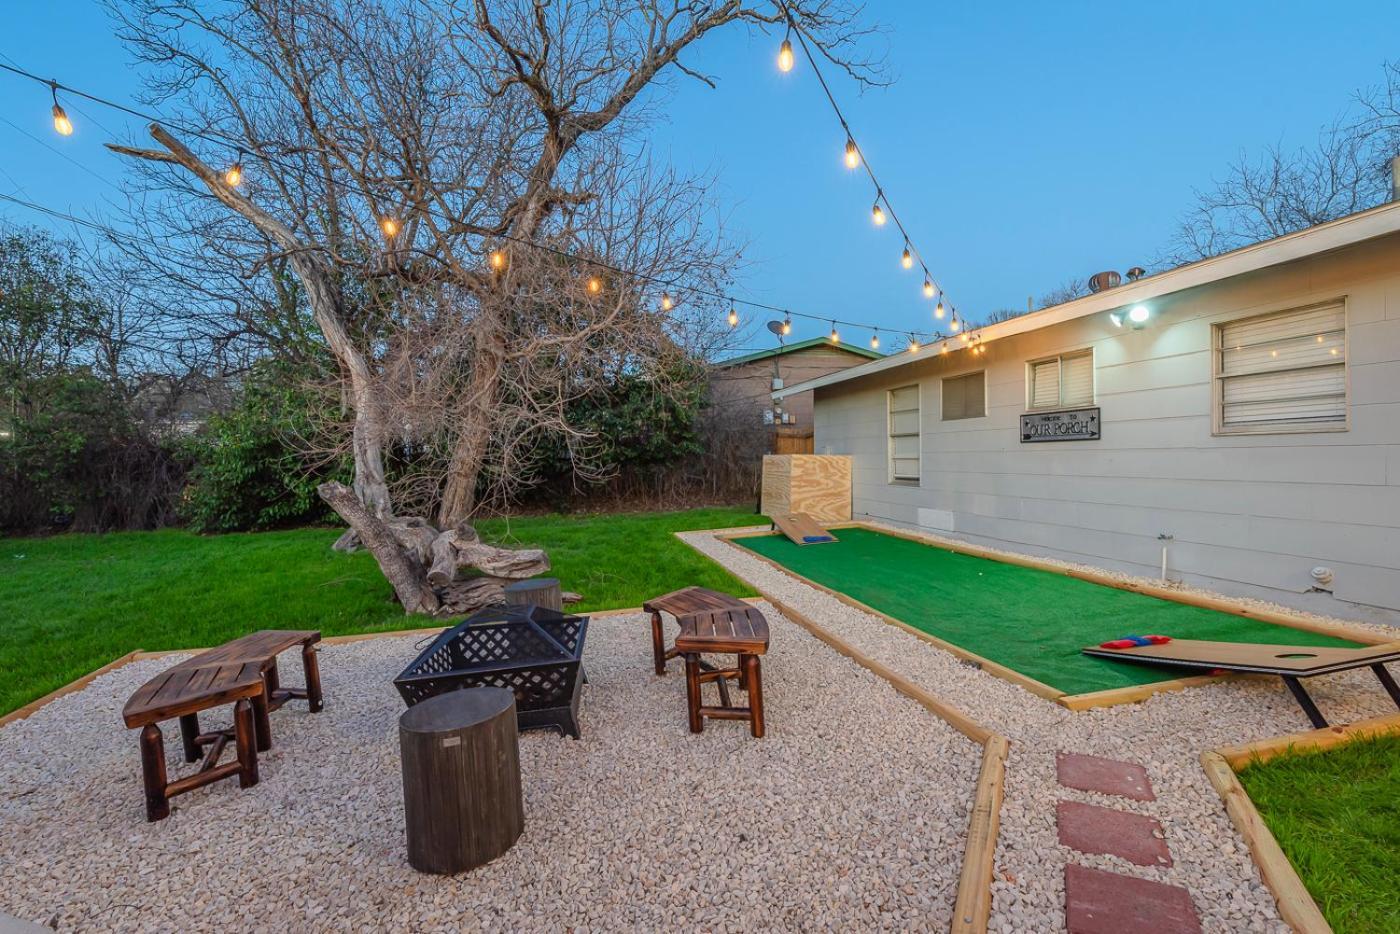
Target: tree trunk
<point x="402" y="567"/>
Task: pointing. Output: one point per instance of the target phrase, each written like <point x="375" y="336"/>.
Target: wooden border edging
<point x="34" y="706"/>
<point x="973" y="905"/>
<point x="1295" y="904"/>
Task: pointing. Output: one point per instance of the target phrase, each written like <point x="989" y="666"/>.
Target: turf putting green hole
<point x="1030" y="620"/>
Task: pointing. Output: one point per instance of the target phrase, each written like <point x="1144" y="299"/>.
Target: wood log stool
<point x="743" y="632"/>
<point x="461" y="779"/>
<point x="537" y="591"/>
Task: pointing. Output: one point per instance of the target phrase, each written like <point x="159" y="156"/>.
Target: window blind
<point x="965" y="396"/>
<point x="904" y="433"/>
<point x="1283" y="371"/>
<point x="1062" y="382"/>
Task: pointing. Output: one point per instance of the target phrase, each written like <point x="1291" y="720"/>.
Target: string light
<point x="955" y="325"/>
<point x="61" y="123"/>
<point x="944" y="348"/>
<point x="875" y="340"/>
<point x="389" y="226"/>
<point x="733" y="318"/>
<point x="906" y="260"/>
<point x="877" y="215"/>
<point x="497" y="259"/>
<point x="835" y="337"/>
<point x="938" y="310"/>
<point x="928" y="286"/>
<point x="787" y="325"/>
<point x="785" y="56"/>
<point x="852" y="154"/>
<point x="595" y="285"/>
<point x="913" y="344"/>
<point x="667" y="303"/>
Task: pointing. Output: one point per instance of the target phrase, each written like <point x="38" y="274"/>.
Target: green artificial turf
<point x="1336" y="814"/>
<point x="72" y="603"/>
<point x="1029" y="620"/>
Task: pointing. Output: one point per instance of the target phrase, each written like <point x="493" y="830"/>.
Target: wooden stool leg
<point x="244" y="737"/>
<point x="153" y="773"/>
<point x="262" y="721"/>
<point x="189" y="731"/>
<point x="753" y="677"/>
<point x="312" y="667"/>
<point x="692" y="692"/>
<point x="658" y="643"/>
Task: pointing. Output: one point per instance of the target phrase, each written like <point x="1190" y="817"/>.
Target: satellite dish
<point x="776" y="327"/>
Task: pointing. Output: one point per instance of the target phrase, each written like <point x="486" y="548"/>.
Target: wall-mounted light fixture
<point x="1136" y="317"/>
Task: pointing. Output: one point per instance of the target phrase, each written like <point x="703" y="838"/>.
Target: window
<point x="904" y="434"/>
<point x="1061" y="382"/>
<point x="965" y="396"/>
<point x="1282" y="372"/>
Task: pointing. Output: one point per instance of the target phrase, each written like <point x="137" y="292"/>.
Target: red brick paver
<point x="1091" y="829"/>
<point x="1106" y="776"/>
<point x="1098" y="902"/>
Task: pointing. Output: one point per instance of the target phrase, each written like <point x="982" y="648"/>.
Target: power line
<point x="224" y="140"/>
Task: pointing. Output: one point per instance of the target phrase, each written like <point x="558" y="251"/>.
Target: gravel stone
<point x="1165" y="734"/>
<point x="851" y="813"/>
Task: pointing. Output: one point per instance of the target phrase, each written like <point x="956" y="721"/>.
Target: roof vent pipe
<point x="1104" y="280"/>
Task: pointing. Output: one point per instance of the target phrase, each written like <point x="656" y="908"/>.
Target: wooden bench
<point x="682" y="603"/>
<point x="742" y="632"/>
<point x="242" y="672"/>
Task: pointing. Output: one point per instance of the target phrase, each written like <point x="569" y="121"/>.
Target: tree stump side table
<point x="461" y="779"/>
<point x="537" y="591"/>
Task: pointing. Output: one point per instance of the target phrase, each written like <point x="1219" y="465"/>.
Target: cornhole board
<point x="803" y="529"/>
<point x="1289" y="662"/>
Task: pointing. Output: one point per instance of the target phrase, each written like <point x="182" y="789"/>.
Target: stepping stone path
<point x="1100" y="902"/>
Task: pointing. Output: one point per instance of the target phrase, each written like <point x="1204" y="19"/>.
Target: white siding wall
<point x="1250" y="514"/>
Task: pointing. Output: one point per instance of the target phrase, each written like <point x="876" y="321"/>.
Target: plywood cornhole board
<point x="1290" y="662"/>
<point x="816" y="484"/>
<point x="803" y="529"/>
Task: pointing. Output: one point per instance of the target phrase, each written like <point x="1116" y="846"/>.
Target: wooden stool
<point x="743" y="632"/>
<point x="681" y="603"/>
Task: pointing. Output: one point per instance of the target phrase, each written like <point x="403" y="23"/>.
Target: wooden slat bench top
<point x="690" y="600"/>
<point x="222" y="675"/>
<point x="741" y="631"/>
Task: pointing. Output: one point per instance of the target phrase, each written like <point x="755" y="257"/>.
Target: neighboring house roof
<point x="1347" y="231"/>
<point x="802" y="345"/>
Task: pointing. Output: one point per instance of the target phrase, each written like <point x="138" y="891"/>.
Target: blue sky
<point x="1022" y="143"/>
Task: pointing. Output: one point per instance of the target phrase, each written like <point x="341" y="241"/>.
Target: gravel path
<point x="851" y="813"/>
<point x="1165" y="734"/>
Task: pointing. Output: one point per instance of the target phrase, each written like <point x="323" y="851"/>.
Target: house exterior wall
<point x="748" y="387"/>
<point x="1250" y="515"/>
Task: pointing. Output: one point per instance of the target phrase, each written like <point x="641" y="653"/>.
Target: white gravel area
<point x="1166" y="734"/>
<point x="851" y="813"/>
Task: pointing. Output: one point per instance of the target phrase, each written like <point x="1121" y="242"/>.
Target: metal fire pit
<point x="531" y="650"/>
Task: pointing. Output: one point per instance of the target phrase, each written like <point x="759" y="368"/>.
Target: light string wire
<point x="237" y="146"/>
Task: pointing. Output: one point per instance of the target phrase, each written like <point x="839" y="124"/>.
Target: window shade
<point x="1284" y="371"/>
<point x="965" y="396"/>
<point x="1045" y="384"/>
<point x="1077" y="380"/>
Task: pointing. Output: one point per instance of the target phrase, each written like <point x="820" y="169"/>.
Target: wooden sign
<point x="1076" y="425"/>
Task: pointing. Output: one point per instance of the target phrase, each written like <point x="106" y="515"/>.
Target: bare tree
<point x="450" y="183"/>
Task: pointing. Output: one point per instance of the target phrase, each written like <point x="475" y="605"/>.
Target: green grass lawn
<point x="1336" y="814"/>
<point x="1030" y="620"/>
<point x="72" y="603"/>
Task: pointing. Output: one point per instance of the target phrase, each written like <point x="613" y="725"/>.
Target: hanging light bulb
<point x="787" y="325"/>
<point x="497" y="259"/>
<point x="852" y="154"/>
<point x="389" y="226"/>
<point x="234" y="176"/>
<point x="928" y="286"/>
<point x="906" y="259"/>
<point x="955" y="325"/>
<point x="938" y="309"/>
<point x="61" y="123"/>
<point x="785" y="59"/>
<point x="595" y="285"/>
<point x="875" y="340"/>
<point x="944" y="348"/>
<point x="667" y="303"/>
<point x="733" y="318"/>
<point x="835" y="337"/>
<point x="913" y="344"/>
<point x="877" y="214"/>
